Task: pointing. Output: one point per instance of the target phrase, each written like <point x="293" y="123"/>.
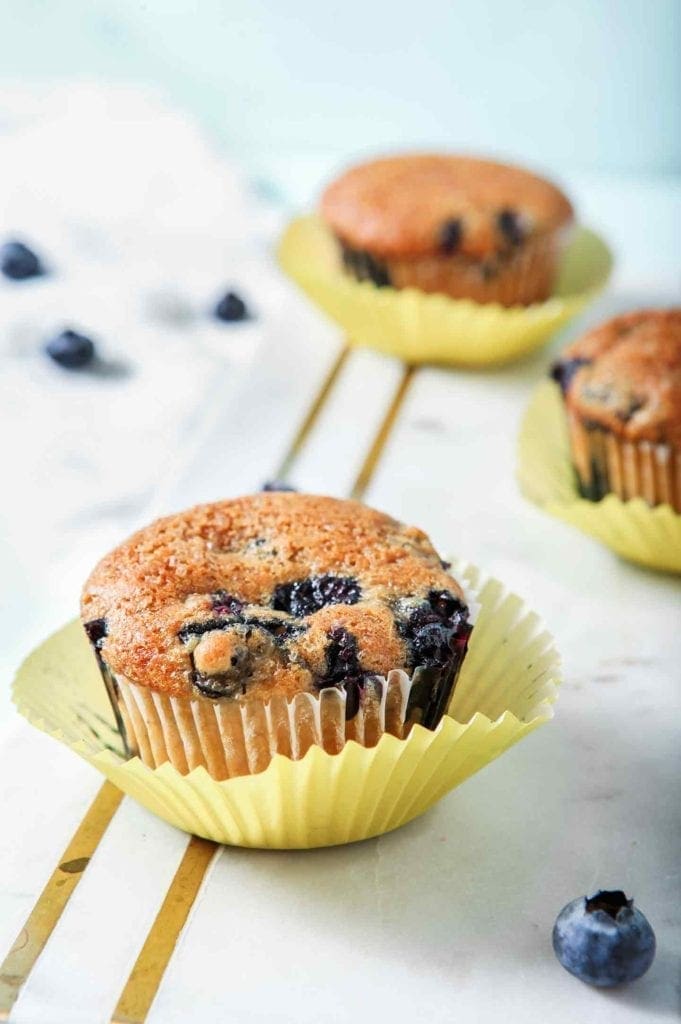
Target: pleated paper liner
<point x="638" y="532"/>
<point x="231" y="739"/>
<point x="505" y="690"/>
<point x="427" y="328"/>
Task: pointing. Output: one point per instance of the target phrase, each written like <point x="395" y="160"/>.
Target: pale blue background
<point x="580" y="84"/>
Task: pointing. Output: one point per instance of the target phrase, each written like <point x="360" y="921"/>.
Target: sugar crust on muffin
<point x="275" y="593"/>
<point x="401" y="206"/>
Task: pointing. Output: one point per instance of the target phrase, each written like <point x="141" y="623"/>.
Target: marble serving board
<point x="450" y="917"/>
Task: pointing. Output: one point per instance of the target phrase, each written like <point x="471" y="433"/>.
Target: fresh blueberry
<point x="450" y="236"/>
<point x="603" y="940"/>
<point x="303" y="597"/>
<point x="18" y="262"/>
<point x="564" y="371"/>
<point x="231" y="308"/>
<point x="277" y="485"/>
<point x="511" y="226"/>
<point x="71" y="350"/>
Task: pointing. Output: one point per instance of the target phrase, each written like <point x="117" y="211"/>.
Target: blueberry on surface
<point x="231" y="308"/>
<point x="70" y="349"/>
<point x="18" y="262"/>
<point x="450" y="236"/>
<point x="277" y="485"/>
<point x="603" y="940"/>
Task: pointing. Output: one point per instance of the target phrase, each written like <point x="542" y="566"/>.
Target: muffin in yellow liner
<point x="505" y="690"/>
<point x="649" y="536"/>
<point x="432" y="328"/>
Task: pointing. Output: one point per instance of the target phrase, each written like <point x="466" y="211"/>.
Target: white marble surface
<point x="449" y="918"/>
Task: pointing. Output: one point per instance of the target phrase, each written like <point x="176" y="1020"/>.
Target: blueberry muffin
<point x="467" y="228"/>
<point x="622" y="389"/>
<point x="269" y="623"/>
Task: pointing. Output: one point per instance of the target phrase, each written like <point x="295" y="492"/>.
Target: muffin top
<point x="272" y="593"/>
<point x="420" y="205"/>
<point x="625" y="376"/>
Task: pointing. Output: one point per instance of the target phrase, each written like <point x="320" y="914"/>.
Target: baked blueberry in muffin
<point x="268" y="623"/>
<point x="621" y="385"/>
<point x="465" y="227"/>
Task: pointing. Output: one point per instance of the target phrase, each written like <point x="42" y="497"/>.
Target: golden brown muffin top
<point x="418" y="205"/>
<point x="625" y="376"/>
<point x="272" y="593"/>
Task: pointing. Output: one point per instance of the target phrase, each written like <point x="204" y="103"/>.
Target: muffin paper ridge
<point x="506" y="688"/>
<point x="433" y="328"/>
<point x="231" y="739"/>
<point x="650" y="536"/>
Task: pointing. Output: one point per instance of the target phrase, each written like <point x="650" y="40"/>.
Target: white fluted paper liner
<point x="505" y="690"/>
<point x="231" y="739"/>
<point x="628" y="469"/>
<point x="633" y="529"/>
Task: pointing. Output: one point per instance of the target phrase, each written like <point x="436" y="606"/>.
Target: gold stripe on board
<point x="311" y="418"/>
<point x="376" y="451"/>
<point x="145" y="977"/>
<point x="50" y="905"/>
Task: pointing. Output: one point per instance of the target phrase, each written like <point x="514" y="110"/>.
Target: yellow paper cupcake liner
<point x="649" y="536"/>
<point x="505" y="690"/>
<point x="425" y="328"/>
